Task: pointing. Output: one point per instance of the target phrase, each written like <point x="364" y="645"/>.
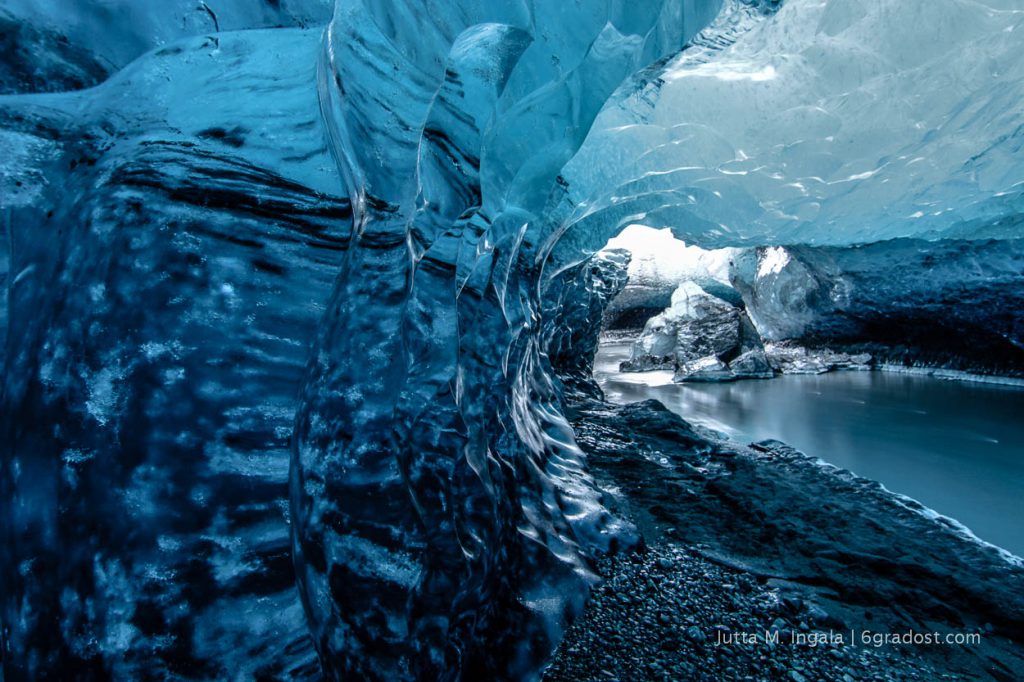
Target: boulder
<point x="702" y="338"/>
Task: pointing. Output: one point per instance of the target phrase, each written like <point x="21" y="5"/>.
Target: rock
<point x="708" y="368"/>
<point x="789" y="358"/>
<point x="703" y="338"/>
<point x="792" y="604"/>
<point x="696" y="634"/>
<point x="817" y="614"/>
<point x="752" y="365"/>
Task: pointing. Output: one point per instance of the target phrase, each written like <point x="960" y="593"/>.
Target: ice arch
<point x="836" y="123"/>
<point x="441" y="509"/>
<point x="438" y="498"/>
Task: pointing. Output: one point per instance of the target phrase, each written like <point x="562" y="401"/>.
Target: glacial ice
<point x="60" y="45"/>
<point x="839" y="122"/>
<point x="355" y="250"/>
<point x="949" y="303"/>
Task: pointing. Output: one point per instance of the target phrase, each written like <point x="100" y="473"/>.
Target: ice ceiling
<point x="368" y="219"/>
<point x="833" y="123"/>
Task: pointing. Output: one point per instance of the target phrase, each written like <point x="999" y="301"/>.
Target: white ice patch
<point x="726" y="71"/>
<point x="103" y="393"/>
<point x="772" y="262"/>
<point x="370" y="559"/>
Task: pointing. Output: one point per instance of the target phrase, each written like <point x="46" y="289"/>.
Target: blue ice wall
<point x="441" y="510"/>
<point x="61" y="45"/>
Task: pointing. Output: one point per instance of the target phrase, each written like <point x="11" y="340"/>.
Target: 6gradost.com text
<point x="867" y="638"/>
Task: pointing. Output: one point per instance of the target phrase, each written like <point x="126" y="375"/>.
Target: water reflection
<point x="957" y="447"/>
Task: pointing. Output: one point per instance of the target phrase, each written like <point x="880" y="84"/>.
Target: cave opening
<point x="674" y="449"/>
<point x="700" y="329"/>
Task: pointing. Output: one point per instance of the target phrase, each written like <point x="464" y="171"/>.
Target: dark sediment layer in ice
<point x="57" y="46"/>
<point x="167" y="270"/>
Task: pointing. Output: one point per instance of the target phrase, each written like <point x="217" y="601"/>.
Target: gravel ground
<point x="758" y="540"/>
<point x="666" y="613"/>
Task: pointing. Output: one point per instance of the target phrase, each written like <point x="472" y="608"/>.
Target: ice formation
<point x="659" y="263"/>
<point x="702" y="338"/>
<point x="951" y="303"/>
<point x="59" y="45"/>
<point x="371" y="218"/>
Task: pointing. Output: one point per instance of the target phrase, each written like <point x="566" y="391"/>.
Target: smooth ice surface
<point x="956" y="447"/>
<point x="834" y="122"/>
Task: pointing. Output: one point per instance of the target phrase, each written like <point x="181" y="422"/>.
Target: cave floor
<point x="736" y="544"/>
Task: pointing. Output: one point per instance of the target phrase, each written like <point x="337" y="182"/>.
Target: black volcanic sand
<point x="765" y="539"/>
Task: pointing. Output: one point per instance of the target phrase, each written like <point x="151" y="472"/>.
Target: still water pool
<point x="955" y="446"/>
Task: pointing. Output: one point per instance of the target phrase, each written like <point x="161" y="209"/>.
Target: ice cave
<point x="512" y="340"/>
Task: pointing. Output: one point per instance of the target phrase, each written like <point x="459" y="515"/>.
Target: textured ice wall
<point x="171" y="234"/>
<point x="441" y="509"/>
<point x="574" y="308"/>
<point x="60" y="45"/>
<point x="951" y="303"/>
<point x="172" y="237"/>
<point x="762" y="132"/>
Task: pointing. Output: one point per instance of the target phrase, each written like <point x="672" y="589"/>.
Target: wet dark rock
<point x="809" y="549"/>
